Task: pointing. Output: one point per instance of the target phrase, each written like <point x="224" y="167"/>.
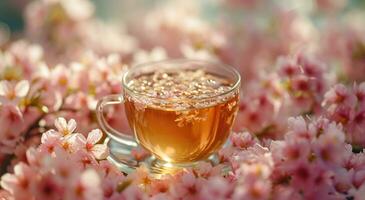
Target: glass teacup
<point x="181" y="111"/>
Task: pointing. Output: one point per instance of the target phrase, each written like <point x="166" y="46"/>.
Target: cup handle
<point x="111" y="132"/>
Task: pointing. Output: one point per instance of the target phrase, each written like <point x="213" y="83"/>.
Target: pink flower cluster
<point x="346" y="105"/>
<point x="64" y="166"/>
<point x="313" y="161"/>
<point x="295" y="88"/>
<point x="299" y="132"/>
<point x="32" y="93"/>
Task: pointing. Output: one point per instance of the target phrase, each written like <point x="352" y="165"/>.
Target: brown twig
<point x="34" y="125"/>
<point x="5" y="163"/>
<point x="26" y="135"/>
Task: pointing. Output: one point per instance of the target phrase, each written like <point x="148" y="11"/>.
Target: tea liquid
<point x="187" y="117"/>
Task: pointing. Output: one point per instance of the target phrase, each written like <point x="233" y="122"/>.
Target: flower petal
<point x="76" y="141"/>
<point x="5" y="87"/>
<point x="9" y="182"/>
<point x="100" y="151"/>
<point x="49" y="134"/>
<point x="188" y="179"/>
<point x="90" y="178"/>
<point x="21" y="169"/>
<point x="60" y="124"/>
<point x="71" y="125"/>
<point x="94" y="136"/>
<point x="22" y="88"/>
<point x="32" y="156"/>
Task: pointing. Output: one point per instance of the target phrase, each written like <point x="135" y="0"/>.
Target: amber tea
<point x="180" y="110"/>
<point x="181" y="116"/>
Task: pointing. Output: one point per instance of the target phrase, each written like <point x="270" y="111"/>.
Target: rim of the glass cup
<point x="174" y="61"/>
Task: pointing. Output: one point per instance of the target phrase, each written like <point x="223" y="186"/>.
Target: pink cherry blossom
<point x="141" y="177"/>
<point x="159" y="187"/>
<point x="12" y="92"/>
<point x="84" y="159"/>
<point x="360" y="92"/>
<point x="64" y="127"/>
<point x="342" y="180"/>
<point x="217" y="188"/>
<point x="100" y="151"/>
<point x="133" y="192"/>
<point x="47" y="187"/>
<point x="251" y="182"/>
<point x="288" y="67"/>
<point x="50" y="140"/>
<point x="20" y="183"/>
<point x="87" y="187"/>
<point x="344" y="105"/>
<point x="242" y="140"/>
<point x="66" y="170"/>
<point x="188" y="187"/>
<point x="340" y="95"/>
<point x="108" y="185"/>
<point x="206" y="170"/>
<point x="61" y="80"/>
<point x="32" y="156"/>
<point x="12" y="128"/>
<point x="329" y="144"/>
<point x="295" y="151"/>
<point x="109" y="169"/>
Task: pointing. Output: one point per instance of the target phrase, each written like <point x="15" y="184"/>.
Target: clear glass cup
<point x="176" y="135"/>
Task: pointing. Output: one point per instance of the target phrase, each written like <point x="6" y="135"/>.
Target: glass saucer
<point x="120" y="155"/>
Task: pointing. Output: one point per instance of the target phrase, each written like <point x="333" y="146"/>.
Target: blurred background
<point x="248" y="34"/>
<point x="116" y="10"/>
